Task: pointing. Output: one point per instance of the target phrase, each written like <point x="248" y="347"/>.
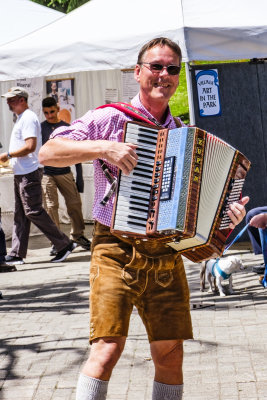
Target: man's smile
<point x="161" y="84"/>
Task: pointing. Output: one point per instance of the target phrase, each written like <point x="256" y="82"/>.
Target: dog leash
<point x="263" y="237"/>
<point x="216" y="264"/>
<point x="227" y="247"/>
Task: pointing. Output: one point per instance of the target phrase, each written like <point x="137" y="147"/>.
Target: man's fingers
<point x="127" y="165"/>
<point x="122" y="155"/>
<point x="244" y="200"/>
<point x="237" y="211"/>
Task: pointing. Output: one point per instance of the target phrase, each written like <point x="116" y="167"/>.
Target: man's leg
<point x="263" y="237"/>
<point x="167" y="356"/>
<point x="31" y="192"/>
<point x="21" y="226"/>
<point x="67" y="187"/>
<point x="2" y="244"/>
<point x="254" y="232"/>
<point x="51" y="198"/>
<point x="95" y="375"/>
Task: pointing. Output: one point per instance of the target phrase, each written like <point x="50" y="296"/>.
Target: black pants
<point x="29" y="208"/>
<point x="2" y="245"/>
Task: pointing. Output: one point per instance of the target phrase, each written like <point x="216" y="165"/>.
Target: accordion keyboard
<point x="234" y="193"/>
<point x="134" y="189"/>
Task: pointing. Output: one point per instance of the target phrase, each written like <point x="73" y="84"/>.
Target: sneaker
<point x="4" y="267"/>
<point x="83" y="242"/>
<point x="63" y="254"/>
<point x="13" y="260"/>
<point x="53" y="251"/>
<point x="259" y="269"/>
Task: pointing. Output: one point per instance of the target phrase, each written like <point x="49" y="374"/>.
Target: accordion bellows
<point x="180" y="190"/>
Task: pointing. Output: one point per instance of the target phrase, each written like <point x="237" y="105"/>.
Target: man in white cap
<point x="24" y="146"/>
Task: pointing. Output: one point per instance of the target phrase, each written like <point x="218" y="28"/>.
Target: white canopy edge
<point x="104" y="35"/>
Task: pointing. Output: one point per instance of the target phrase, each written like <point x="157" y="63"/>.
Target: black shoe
<point x="4" y="267"/>
<point x="259" y="269"/>
<point x="12" y="260"/>
<point x="53" y="251"/>
<point x="63" y="254"/>
<point x="83" y="242"/>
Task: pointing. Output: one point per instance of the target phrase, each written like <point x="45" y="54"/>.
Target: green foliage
<point x="179" y="101"/>
<point x="62" y="5"/>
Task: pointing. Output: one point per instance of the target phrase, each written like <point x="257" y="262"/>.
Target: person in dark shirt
<point x="62" y="179"/>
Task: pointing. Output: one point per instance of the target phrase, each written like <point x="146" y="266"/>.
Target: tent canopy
<point x="104" y="34"/>
<point x="20" y="17"/>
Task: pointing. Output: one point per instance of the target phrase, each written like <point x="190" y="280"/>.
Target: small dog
<point x="219" y="269"/>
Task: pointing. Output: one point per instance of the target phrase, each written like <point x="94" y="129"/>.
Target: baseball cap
<point x="15" y="91"/>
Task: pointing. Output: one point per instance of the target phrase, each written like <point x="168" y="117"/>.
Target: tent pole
<point x="190" y="94"/>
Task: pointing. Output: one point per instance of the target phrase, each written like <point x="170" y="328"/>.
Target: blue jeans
<point x="263" y="238"/>
<point x="254" y="232"/>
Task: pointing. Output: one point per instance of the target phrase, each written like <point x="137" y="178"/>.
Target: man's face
<point x="50" y="114"/>
<point x="53" y="86"/>
<point x="157" y="86"/>
<point x="16" y="104"/>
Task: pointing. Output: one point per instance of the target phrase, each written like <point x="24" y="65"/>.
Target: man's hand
<point x="122" y="155"/>
<point x="3" y="157"/>
<point x="237" y="211"/>
<point x="259" y="221"/>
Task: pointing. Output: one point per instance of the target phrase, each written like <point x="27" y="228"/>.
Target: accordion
<point x="180" y="190"/>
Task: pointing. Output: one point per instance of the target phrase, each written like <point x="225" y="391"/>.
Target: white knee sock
<point x="91" y="388"/>
<point x="161" y="391"/>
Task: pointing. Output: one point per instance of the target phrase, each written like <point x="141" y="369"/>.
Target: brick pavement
<point x="44" y="334"/>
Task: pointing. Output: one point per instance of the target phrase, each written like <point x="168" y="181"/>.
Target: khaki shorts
<point x="146" y="275"/>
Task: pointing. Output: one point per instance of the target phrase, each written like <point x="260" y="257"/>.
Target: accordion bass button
<point x="137" y="242"/>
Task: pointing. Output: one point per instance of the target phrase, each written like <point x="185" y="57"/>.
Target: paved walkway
<point x="44" y="334"/>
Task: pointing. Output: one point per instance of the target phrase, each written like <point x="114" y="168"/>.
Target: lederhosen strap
<point x="136" y="114"/>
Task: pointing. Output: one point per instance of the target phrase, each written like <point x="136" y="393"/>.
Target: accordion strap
<point x="131" y="111"/>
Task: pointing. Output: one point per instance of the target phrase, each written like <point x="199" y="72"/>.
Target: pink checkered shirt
<point x="104" y="124"/>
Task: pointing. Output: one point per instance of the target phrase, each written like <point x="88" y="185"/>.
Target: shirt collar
<point x="136" y="102"/>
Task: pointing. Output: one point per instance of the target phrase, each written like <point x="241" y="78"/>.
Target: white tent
<point x="104" y="34"/>
<point x="20" y="17"/>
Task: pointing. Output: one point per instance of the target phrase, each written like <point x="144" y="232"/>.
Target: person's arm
<point x="62" y="152"/>
<point x="259" y="221"/>
<point x="29" y="147"/>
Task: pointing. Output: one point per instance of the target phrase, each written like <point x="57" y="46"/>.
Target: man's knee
<point x="105" y="352"/>
<point x="33" y="213"/>
<point x="168" y="356"/>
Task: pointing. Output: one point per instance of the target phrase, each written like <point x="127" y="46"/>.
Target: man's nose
<point x="164" y="71"/>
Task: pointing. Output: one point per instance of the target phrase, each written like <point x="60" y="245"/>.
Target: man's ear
<point x="137" y="72"/>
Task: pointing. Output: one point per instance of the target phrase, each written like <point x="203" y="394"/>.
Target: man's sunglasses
<point x="171" y="69"/>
